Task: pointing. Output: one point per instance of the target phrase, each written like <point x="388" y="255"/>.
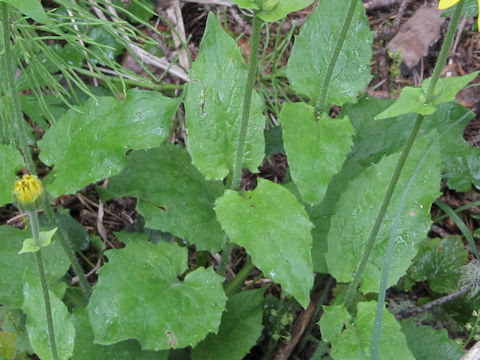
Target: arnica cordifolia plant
<point x="261" y="201"/>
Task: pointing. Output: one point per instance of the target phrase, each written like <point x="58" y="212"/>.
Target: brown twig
<point x="300" y="324"/>
<point x="145" y="56"/>
<point x="435" y="303"/>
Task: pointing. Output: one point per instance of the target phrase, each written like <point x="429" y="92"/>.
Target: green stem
<point x="43" y="282"/>
<point x="377" y="332"/>
<point x="352" y="287"/>
<point x="21" y="134"/>
<point x="237" y="281"/>
<point x="322" y="98"/>
<point x="67" y="246"/>
<point x="247" y="100"/>
<point x="18" y="122"/>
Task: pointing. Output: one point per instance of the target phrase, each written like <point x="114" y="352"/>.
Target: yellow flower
<point x="28" y="190"/>
<point x="445" y="4"/>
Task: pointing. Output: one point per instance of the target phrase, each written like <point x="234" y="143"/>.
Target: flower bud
<point x="27" y="191"/>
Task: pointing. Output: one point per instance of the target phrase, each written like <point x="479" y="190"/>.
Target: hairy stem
<point x="352" y="287"/>
<point x="67" y="246"/>
<point x="401" y="162"/>
<point x="43" y="282"/>
<point x="377" y="332"/>
<point x="322" y="98"/>
<point x="9" y="79"/>
<point x="247" y="101"/>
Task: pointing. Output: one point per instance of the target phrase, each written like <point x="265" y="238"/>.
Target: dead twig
<point x="174" y="15"/>
<point x="300" y="324"/>
<point x="435" y="303"/>
<point x="143" y="55"/>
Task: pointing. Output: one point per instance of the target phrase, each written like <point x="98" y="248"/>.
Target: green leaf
<point x="353" y="343"/>
<point x="440" y="262"/>
<point x="10" y="163"/>
<point x="179" y="201"/>
<point x="248" y="4"/>
<point x="372" y="141"/>
<point x="86" y="349"/>
<point x="13" y="321"/>
<point x="273" y="10"/>
<point x="105" y="45"/>
<point x="461" y="162"/>
<point x="96" y="136"/>
<point x="142" y="9"/>
<point x="333" y="321"/>
<point x="411" y="100"/>
<point x="213" y="106"/>
<point x="31" y="245"/>
<point x="13" y="264"/>
<point x="316" y="150"/>
<point x="447" y="88"/>
<point x="148" y="302"/>
<point x="310" y="56"/>
<point x="34" y="308"/>
<point x="273" y="141"/>
<point x="275" y="230"/>
<point x="31" y="8"/>
<point x="239" y="330"/>
<point x="7" y="345"/>
<point x="77" y="234"/>
<point x="470" y="9"/>
<point x="427" y="343"/>
<point x="358" y="207"/>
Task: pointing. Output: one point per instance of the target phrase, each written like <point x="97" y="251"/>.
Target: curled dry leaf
<point x="416" y="35"/>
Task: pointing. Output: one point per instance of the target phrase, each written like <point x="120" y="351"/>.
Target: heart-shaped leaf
<point x="179" y="201"/>
<point x="89" y="143"/>
<point x="147" y="300"/>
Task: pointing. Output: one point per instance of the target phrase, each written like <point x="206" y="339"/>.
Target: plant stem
<point x="18" y="123"/>
<point x="237" y="281"/>
<point x="352" y="287"/>
<point x="43" y="282"/>
<point x="21" y="135"/>
<point x="67" y="246"/>
<point x="322" y="98"/>
<point x="247" y="100"/>
<point x="377" y="332"/>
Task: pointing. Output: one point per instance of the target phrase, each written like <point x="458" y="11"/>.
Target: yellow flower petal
<point x="28" y="190"/>
<point x="478" y="16"/>
<point x="445" y="4"/>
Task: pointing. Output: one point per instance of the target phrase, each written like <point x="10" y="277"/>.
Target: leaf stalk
<point x="247" y="101"/>
<point x="322" y="98"/>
